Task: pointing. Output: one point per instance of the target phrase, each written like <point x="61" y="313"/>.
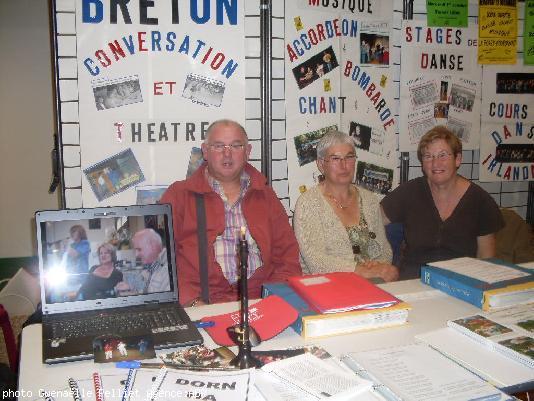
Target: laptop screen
<point x="105" y="257"/>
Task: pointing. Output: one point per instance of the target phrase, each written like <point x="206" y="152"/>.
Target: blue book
<point x="311" y="324"/>
<point x="486" y="284"/>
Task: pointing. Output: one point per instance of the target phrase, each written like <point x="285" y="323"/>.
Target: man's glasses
<point x="441" y="156"/>
<point x="337" y="160"/>
<point x="220" y="147"/>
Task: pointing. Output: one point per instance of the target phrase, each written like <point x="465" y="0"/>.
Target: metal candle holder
<point x="244" y="359"/>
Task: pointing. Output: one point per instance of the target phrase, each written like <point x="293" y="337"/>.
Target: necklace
<point x="338" y="203"/>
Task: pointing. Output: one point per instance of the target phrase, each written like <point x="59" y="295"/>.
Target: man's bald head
<point x="147" y="244"/>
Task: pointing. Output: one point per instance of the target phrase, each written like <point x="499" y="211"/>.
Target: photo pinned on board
<point x="119" y="92"/>
<point x="441" y="110"/>
<point x="306" y="144"/>
<point x="461" y="128"/>
<point x="423" y="94"/>
<point x="203" y="90"/>
<point x="515" y="153"/>
<point x="114" y="174"/>
<point x="515" y="82"/>
<point x="195" y="160"/>
<point x="149" y="194"/>
<point x="419" y="127"/>
<point x="315" y="67"/>
<point x="361" y="135"/>
<point x="374" y="49"/>
<point x="443" y="91"/>
<point x="374" y="178"/>
<point x="462" y="97"/>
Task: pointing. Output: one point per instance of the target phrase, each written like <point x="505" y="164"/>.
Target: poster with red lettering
<point x="151" y="77"/>
<point x="338" y="64"/>
<point x="507" y="128"/>
<point x="440" y="83"/>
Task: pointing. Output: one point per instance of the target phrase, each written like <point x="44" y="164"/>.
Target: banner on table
<point x="151" y="78"/>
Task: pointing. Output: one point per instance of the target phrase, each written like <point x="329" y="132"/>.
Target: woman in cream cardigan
<point x="339" y="225"/>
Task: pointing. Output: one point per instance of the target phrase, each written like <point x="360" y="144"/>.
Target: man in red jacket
<point x="235" y="196"/>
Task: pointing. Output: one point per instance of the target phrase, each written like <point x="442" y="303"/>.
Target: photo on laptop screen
<point x="106" y="253"/>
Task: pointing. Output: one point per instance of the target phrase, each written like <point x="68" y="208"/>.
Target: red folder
<point x="341" y="292"/>
<point x="269" y="317"/>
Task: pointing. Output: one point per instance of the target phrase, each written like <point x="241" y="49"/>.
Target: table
<point x="431" y="309"/>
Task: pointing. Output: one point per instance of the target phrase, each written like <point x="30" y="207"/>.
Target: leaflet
<point x="317" y="378"/>
<point x="416" y="372"/>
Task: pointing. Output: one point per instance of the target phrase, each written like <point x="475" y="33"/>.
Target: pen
<point x="129" y="364"/>
<point x="203" y="324"/>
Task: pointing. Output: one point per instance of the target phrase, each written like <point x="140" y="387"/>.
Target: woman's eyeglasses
<point x="337" y="160"/>
<point x="441" y="156"/>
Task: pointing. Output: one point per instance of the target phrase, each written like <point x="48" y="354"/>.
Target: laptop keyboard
<point x="120" y="322"/>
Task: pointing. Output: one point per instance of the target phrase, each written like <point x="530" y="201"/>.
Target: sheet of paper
<point x="275" y="389"/>
<point x="446" y="13"/>
<point x="497" y="42"/>
<point x="217" y="385"/>
<point x="480" y="269"/>
<point x="416" y="372"/>
<point x="317" y="378"/>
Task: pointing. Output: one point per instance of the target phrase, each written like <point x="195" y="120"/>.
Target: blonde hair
<point x="110" y="248"/>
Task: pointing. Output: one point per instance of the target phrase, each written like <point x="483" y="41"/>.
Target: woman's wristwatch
<point x="195" y="302"/>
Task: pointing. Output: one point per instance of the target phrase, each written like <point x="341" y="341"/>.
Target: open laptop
<point x="76" y="312"/>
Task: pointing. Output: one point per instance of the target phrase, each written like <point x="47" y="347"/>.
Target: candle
<point x="243" y="250"/>
<point x="244" y="358"/>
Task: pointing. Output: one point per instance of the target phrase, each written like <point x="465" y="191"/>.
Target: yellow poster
<point x="497" y="32"/>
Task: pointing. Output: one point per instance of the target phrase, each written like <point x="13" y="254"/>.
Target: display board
<point x="151" y="77"/>
<point x="339" y="76"/>
<point x="507" y="142"/>
<point x="140" y="82"/>
<point x="440" y="83"/>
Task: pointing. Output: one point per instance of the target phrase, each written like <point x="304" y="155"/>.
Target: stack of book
<point x="488" y="285"/>
<point x="338" y="303"/>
